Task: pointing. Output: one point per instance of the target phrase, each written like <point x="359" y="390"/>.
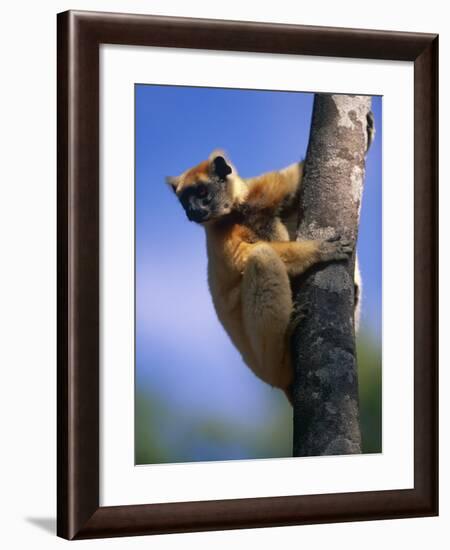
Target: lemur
<point x="252" y="255"/>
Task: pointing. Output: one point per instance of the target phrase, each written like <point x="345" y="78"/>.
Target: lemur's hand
<point x="336" y="248"/>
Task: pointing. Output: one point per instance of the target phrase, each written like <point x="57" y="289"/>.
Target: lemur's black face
<point x="204" y="201"/>
<point x="205" y="193"/>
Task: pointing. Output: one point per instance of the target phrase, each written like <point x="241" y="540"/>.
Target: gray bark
<point x="325" y="390"/>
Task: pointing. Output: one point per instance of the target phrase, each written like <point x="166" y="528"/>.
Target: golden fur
<point x="251" y="258"/>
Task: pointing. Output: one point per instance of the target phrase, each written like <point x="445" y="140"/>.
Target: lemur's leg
<point x="299" y="256"/>
<point x="267" y="299"/>
<point x="266" y="312"/>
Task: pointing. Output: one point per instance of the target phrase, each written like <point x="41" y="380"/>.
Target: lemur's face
<point x="205" y="191"/>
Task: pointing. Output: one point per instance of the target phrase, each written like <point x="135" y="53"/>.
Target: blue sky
<point x="182" y="352"/>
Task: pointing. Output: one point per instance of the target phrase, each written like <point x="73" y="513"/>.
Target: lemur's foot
<point x="336" y="248"/>
<point x="299" y="313"/>
<point x="370" y="129"/>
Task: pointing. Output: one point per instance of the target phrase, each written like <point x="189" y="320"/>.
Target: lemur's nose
<point x="198" y="214"/>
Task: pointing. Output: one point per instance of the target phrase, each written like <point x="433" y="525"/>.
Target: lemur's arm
<point x="298" y="256"/>
<point x="274" y="189"/>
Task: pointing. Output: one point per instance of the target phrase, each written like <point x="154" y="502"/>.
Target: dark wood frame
<point x="79" y="37"/>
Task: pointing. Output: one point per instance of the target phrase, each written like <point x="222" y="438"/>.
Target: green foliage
<point x="149" y="448"/>
<point x="167" y="433"/>
<point x="370" y="389"/>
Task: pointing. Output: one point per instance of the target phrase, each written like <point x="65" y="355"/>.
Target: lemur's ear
<point x="220" y="167"/>
<point x="172" y="181"/>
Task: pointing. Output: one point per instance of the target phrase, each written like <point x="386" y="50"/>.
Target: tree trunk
<point x="325" y="390"/>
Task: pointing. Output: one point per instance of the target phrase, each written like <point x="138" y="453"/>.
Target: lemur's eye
<point x="202" y="191"/>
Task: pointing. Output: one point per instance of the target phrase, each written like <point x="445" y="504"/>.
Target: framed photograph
<point x="247" y="274"/>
